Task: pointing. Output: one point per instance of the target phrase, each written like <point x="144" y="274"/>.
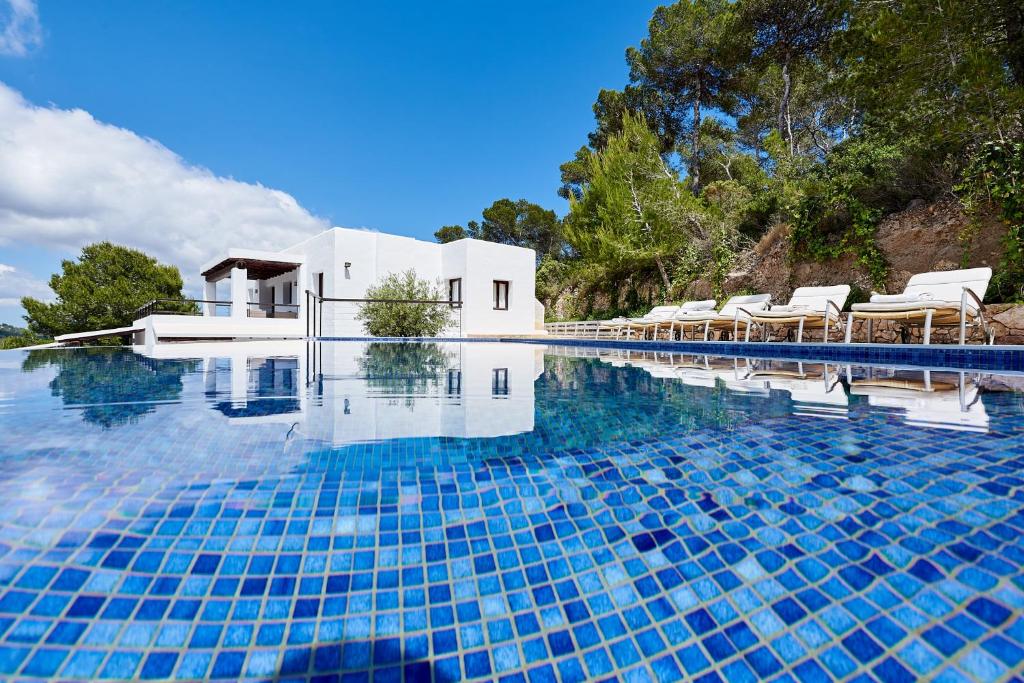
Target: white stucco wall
<point x="482" y="263"/>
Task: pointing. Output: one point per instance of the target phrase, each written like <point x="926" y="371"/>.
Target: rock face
<point x="924" y="237"/>
<point x="1008" y="322"/>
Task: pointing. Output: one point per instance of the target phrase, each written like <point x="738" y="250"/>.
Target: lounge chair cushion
<point x="790" y="312"/>
<point x="948" y="285"/>
<point x="900" y="298"/>
<point x="911" y="307"/>
<point x="818" y="298"/>
<point x="691" y="306"/>
<point x="752" y="303"/>
<point x="656" y="314"/>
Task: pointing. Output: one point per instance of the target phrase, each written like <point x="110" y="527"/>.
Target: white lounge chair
<point x="691" y="310"/>
<point x="660" y="315"/>
<point x="657" y="315"/>
<point x="808" y="308"/>
<point x="942" y="299"/>
<point x="729" y="317"/>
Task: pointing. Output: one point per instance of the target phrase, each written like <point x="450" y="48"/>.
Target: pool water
<point x="489" y="511"/>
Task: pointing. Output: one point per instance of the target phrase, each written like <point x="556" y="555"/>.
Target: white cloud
<point x="19" y="27"/>
<point x="67" y="180"/>
<point x="15" y="284"/>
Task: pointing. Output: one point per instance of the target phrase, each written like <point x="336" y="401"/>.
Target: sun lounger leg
<point x="927" y="327"/>
<point x="826" y="328"/>
<point x="871" y="330"/>
<point x="800" y="331"/>
<point x="963" y="324"/>
<point x="707" y="328"/>
<point x="746" y="337"/>
<point x="849" y="328"/>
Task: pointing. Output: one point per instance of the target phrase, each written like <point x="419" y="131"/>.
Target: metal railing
<point x="178" y="307"/>
<point x="315" y="304"/>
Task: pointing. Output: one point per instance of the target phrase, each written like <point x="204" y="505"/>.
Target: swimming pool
<point x="497" y="511"/>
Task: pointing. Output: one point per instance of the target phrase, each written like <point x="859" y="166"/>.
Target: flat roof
<point x="260" y="264"/>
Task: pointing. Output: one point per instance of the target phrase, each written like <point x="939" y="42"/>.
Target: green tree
<point x="523" y="224"/>
<point x="688" y="58"/>
<point x="390" y="313"/>
<point x="105" y="383"/>
<point x="103" y="289"/>
<point x="786" y="35"/>
<point x="634" y="213"/>
<point x="450" y="233"/>
<point x="942" y="69"/>
<point x="405" y="369"/>
<point x="519" y="223"/>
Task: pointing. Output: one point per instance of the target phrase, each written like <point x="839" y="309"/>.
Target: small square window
<point x="501" y="295"/>
<point x="499" y="382"/>
<point x="454" y="382"/>
<point x="455" y="289"/>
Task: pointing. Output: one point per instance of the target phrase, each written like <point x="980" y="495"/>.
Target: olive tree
<point x="391" y="313"/>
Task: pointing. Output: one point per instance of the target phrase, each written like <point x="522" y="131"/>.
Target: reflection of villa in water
<point x="329" y="393"/>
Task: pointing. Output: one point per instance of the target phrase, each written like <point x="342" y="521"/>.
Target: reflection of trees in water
<point x="113" y="386"/>
<point x="630" y="403"/>
<point x="404" y="368"/>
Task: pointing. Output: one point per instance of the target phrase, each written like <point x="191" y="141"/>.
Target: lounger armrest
<point x="964" y="297"/>
<point x="740" y="309"/>
<point x="833" y="304"/>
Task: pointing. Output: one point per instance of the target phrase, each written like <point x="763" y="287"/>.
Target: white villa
<point x="253" y="294"/>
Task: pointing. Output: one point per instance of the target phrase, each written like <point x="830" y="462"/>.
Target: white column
<point x="210" y="294"/>
<point x="301" y="285"/>
<point x="239" y="379"/>
<point x="239" y="293"/>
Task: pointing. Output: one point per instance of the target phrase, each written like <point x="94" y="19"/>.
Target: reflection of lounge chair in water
<point x="706" y="371"/>
<point x="940" y="404"/>
<point x="815" y="389"/>
<point x="624" y="358"/>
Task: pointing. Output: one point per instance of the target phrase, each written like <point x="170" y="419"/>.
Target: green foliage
<point x="839" y="210"/>
<point x="943" y="69"/>
<point x="404" y="368"/>
<point x="103" y="289"/>
<point x="391" y="315"/>
<point x="26" y="338"/>
<point x="825" y="115"/>
<point x="635" y="217"/>
<point x="10" y="330"/>
<point x="106" y="383"/>
<point x="450" y="233"/>
<point x="688" y="62"/>
<point x="523" y="224"/>
<point x="996" y="176"/>
<point x="519" y="223"/>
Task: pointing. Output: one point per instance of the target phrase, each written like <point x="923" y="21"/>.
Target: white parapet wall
<point x="163" y="328"/>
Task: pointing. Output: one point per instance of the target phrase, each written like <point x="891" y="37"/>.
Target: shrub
<point x="389" y="314"/>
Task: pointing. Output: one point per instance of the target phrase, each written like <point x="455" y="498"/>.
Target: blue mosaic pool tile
<point x="773" y="548"/>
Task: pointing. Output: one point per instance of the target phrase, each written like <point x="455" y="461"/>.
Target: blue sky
<point x="397" y="116"/>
